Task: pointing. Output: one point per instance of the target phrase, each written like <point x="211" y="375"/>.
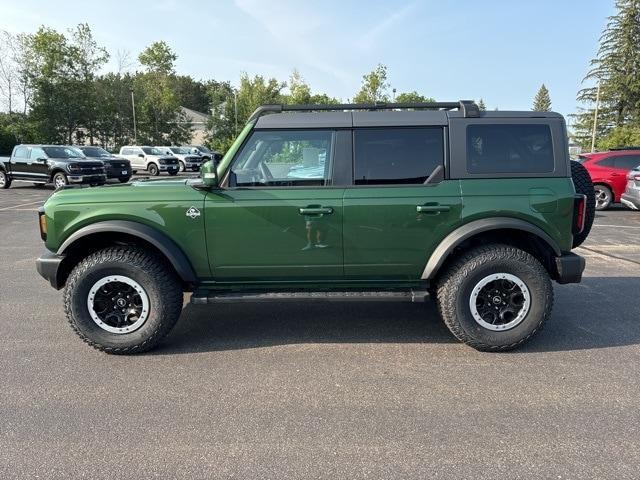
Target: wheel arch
<point x="518" y="232"/>
<point x="113" y="232"/>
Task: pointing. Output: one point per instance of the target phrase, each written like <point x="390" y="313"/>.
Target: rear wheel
<point x="122" y="299"/>
<point x="495" y="297"/>
<point x="5" y="180"/>
<point x="583" y="185"/>
<point x="153" y="169"/>
<point x="604" y="197"/>
<point x="60" y="180"/>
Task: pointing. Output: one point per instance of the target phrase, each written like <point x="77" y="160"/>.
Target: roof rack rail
<point x="467" y="107"/>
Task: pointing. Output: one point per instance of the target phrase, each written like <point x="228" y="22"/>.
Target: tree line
<point x="51" y="91"/>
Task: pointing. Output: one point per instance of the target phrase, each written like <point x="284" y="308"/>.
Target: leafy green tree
<point x="617" y="69"/>
<point x="159" y="117"/>
<point x="542" y="100"/>
<point x="374" y="86"/>
<point x="412" y="97"/>
<point x="623" y="136"/>
<point x="191" y="93"/>
<point x="300" y="93"/>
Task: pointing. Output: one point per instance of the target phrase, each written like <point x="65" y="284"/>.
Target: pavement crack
<point x="617" y="257"/>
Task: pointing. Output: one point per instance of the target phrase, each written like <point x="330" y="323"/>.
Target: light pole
<point x="595" y="120"/>
<point x="133" y="108"/>
<point x="235" y="109"/>
<point x="393" y="98"/>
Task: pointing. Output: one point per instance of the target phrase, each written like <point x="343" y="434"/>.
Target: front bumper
<point x="119" y="173"/>
<point x="168" y="168"/>
<point x="48" y="266"/>
<point x="101" y="178"/>
<point x="570" y="267"/>
<point x="193" y="166"/>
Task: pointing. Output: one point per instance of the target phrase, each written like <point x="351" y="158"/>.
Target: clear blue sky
<point x="500" y="50"/>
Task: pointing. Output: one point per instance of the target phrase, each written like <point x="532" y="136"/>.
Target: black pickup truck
<point x="58" y="164"/>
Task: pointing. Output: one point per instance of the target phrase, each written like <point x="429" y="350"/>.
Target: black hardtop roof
<point x="382" y="114"/>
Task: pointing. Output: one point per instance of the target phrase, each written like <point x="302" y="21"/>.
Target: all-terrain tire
<point x="150" y="271"/>
<point x="455" y="289"/>
<point x="583" y="185"/>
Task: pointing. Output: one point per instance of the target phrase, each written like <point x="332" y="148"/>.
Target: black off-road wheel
<point x="583" y="185"/>
<point x="5" y="180"/>
<point x="153" y="169"/>
<point x="123" y="300"/>
<point x="495" y="297"/>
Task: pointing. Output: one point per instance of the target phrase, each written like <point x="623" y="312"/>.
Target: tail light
<point x="579" y="213"/>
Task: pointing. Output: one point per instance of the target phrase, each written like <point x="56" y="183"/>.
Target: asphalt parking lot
<point x="350" y="390"/>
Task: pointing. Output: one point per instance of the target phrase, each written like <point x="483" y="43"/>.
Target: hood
<point x="111" y="159"/>
<point x="143" y="190"/>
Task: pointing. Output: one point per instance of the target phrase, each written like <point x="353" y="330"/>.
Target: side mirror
<point x="41" y="159"/>
<point x="141" y="155"/>
<point x="209" y="174"/>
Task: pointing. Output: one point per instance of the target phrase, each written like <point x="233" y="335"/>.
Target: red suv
<point x="609" y="171"/>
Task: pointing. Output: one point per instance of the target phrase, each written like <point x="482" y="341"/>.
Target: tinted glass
<point x="509" y="149"/>
<point x="285" y="158"/>
<point x="627" y="162"/>
<point x="607" y="162"/>
<point x="95" y="152"/>
<point x="63" y="152"/>
<point x="155" y="150"/>
<point x="386" y="156"/>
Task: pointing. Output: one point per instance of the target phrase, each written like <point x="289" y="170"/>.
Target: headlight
<point x="73" y="168"/>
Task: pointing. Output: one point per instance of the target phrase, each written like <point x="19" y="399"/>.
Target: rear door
<point x="280" y="216"/>
<point x="392" y="219"/>
<point x="20" y="163"/>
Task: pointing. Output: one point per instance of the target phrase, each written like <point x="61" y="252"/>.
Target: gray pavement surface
<point x="350" y="390"/>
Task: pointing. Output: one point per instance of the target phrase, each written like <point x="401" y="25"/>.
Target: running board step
<point x="205" y="297"/>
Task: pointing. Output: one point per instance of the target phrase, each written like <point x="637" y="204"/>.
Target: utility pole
<point x="393" y="97"/>
<point x="595" y="120"/>
<point x="235" y="108"/>
<point x="135" y="128"/>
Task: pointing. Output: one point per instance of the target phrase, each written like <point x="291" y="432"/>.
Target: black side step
<point x="204" y="297"/>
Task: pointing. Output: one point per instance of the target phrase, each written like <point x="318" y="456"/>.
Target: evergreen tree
<point x="617" y="69"/>
<point x="481" y="105"/>
<point x="542" y="100"/>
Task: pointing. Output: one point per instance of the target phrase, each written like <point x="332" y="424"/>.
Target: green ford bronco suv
<point x="393" y="202"/>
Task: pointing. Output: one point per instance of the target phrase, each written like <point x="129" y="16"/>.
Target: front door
<point x="37" y="166"/>
<point x="393" y="219"/>
<point x="278" y="218"/>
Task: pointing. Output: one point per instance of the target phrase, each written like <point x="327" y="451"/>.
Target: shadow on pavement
<point x="598" y="313"/>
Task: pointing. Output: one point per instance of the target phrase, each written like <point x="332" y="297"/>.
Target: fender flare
<point x="167" y="247"/>
<point x="468" y="230"/>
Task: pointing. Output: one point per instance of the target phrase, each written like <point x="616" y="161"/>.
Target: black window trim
<point x="445" y="150"/>
<point x="224" y="183"/>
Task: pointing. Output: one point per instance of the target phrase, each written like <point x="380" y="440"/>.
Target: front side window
<point x="155" y="151"/>
<point x="505" y="149"/>
<point x="36" y="153"/>
<point x="284" y="158"/>
<point x="63" y="152"/>
<point x="407" y="155"/>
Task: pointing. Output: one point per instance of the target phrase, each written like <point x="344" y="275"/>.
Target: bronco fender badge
<point x="193" y="212"/>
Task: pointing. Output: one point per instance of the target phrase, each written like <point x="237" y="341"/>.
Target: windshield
<point x="63" y="152"/>
<point x="203" y="149"/>
<point x="154" y="151"/>
<point x="95" y="152"/>
<point x="180" y="150"/>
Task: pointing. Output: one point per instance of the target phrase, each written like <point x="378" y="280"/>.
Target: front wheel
<point x="183" y="167"/>
<point x="122" y="299"/>
<point x="5" y="180"/>
<point x="604" y="197"/>
<point x="173" y="173"/>
<point x="124" y="179"/>
<point x="60" y="180"/>
<point x="153" y="169"/>
<point x="495" y="297"/>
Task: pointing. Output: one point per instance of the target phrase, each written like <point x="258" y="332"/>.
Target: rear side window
<point x="504" y="149"/>
<point x="627" y="162"/>
<point x="607" y="162"/>
<point x="387" y="156"/>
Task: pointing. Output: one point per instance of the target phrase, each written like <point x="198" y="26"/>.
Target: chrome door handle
<point x="433" y="208"/>
<point x="316" y="211"/>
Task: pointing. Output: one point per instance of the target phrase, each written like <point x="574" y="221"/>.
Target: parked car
<point x="399" y="202"/>
<point x="57" y="164"/>
<point x="608" y="172"/>
<point x="206" y="153"/>
<point x="115" y="167"/>
<point x="631" y="195"/>
<point x="152" y="159"/>
<point x="188" y="159"/>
